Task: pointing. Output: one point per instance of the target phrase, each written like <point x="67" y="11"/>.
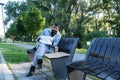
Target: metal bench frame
<point x="102" y="60"/>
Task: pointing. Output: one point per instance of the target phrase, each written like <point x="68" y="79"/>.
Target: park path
<point x="5" y="72"/>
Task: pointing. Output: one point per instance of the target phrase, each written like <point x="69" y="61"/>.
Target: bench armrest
<point x="56" y="55"/>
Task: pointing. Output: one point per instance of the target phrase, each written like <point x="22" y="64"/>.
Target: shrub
<point x="95" y="34"/>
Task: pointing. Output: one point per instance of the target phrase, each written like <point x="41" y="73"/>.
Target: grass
<point x="13" y="53"/>
<point x="81" y="51"/>
<point x="93" y="77"/>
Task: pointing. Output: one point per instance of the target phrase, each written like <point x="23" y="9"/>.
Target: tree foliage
<point x="76" y="17"/>
<point x="13" y="10"/>
<point x="20" y="26"/>
<point x="33" y="21"/>
<point x="29" y="23"/>
<point x="95" y="34"/>
<point x="57" y="11"/>
<point x="12" y="31"/>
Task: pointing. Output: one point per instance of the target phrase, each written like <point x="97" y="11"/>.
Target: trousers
<point x="41" y="49"/>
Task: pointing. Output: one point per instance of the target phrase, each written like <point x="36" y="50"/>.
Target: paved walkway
<point x="1" y="71"/>
<point x="20" y="70"/>
<point x="5" y="72"/>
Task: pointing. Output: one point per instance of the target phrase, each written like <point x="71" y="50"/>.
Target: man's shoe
<point x="31" y="72"/>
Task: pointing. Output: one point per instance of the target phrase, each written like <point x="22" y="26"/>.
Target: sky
<point x="1" y="18"/>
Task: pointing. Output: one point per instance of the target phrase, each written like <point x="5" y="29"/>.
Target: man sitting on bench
<point x="46" y="42"/>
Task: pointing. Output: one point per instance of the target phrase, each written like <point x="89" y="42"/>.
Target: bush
<point x="96" y="34"/>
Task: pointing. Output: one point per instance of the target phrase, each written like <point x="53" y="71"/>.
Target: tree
<point x="20" y="27"/>
<point x="76" y="17"/>
<point x="12" y="32"/>
<point x="33" y="21"/>
<point x="27" y="22"/>
<point x="57" y="11"/>
<point x="13" y="10"/>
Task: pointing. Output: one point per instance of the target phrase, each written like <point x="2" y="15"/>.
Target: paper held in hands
<point x="46" y="39"/>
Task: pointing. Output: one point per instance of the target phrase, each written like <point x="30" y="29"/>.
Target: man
<point x="42" y="47"/>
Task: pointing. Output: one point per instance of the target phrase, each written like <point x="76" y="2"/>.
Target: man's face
<point x="55" y="29"/>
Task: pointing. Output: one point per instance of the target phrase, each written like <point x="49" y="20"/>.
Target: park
<point x="90" y="22"/>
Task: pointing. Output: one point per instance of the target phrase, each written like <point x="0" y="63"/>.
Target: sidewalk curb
<point x="6" y="71"/>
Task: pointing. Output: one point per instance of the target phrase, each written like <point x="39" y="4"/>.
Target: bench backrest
<point x="105" y="51"/>
<point x="68" y="45"/>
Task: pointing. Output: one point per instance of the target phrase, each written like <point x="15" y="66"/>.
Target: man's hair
<point x="56" y="24"/>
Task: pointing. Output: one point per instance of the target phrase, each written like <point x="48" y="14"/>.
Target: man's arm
<point x="56" y="39"/>
<point x="42" y="33"/>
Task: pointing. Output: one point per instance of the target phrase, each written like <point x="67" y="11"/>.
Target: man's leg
<point x="37" y="61"/>
<point x="33" y="66"/>
<point x="41" y="50"/>
<point x="31" y="71"/>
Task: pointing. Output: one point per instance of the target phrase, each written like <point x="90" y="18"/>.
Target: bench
<point x="66" y="50"/>
<point x="102" y="61"/>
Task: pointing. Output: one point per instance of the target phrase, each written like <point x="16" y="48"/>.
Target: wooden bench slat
<point x="56" y="55"/>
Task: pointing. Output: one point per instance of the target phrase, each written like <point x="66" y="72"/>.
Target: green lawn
<point x="13" y="53"/>
<point x="81" y="51"/>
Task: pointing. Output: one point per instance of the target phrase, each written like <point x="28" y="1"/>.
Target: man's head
<point x="55" y="28"/>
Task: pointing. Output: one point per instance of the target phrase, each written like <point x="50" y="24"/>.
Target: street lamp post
<point x="3" y="20"/>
